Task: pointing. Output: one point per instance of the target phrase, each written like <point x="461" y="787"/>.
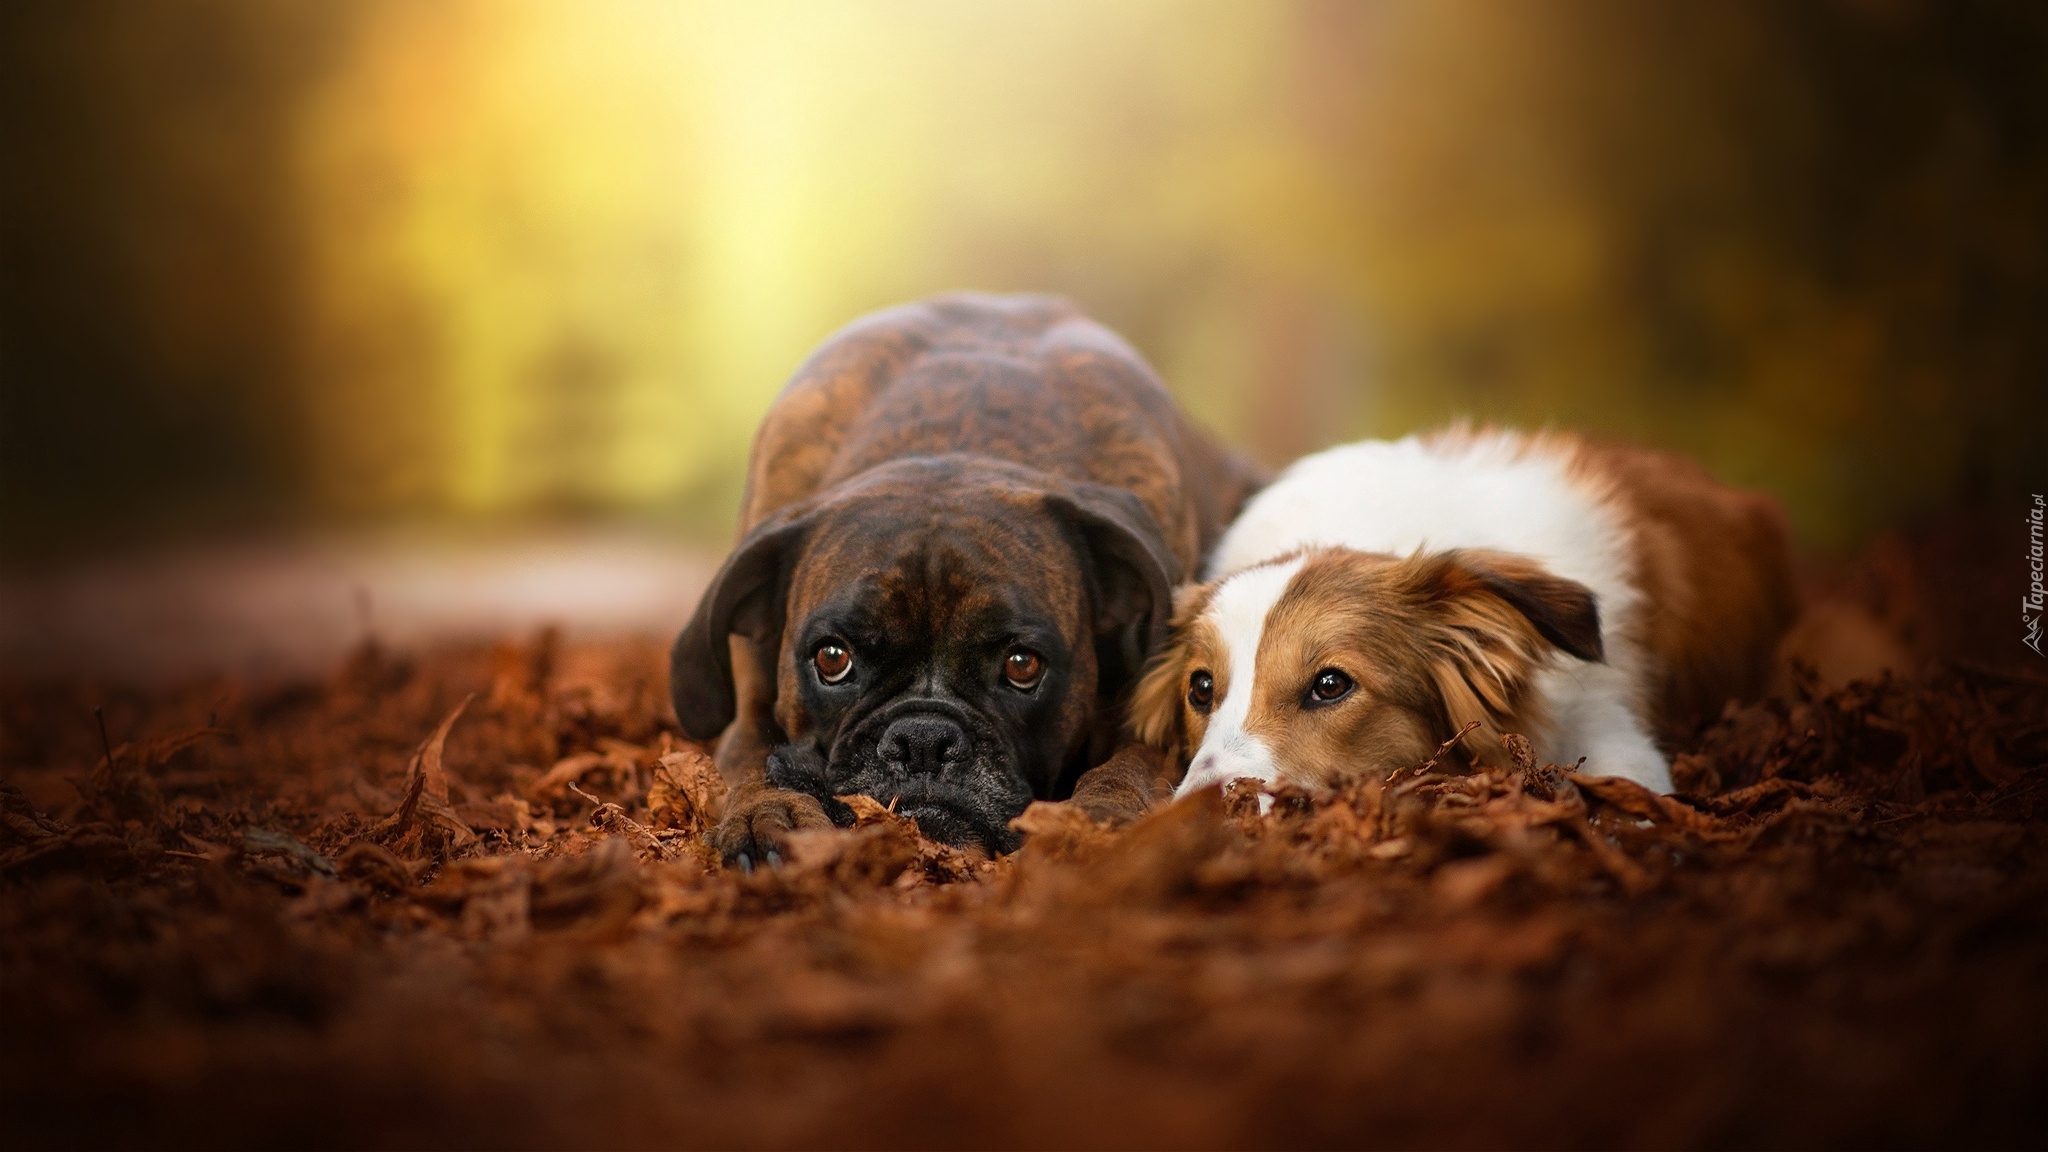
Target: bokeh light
<point x="463" y="259"/>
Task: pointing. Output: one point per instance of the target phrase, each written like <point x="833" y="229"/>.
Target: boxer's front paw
<point x="757" y="824"/>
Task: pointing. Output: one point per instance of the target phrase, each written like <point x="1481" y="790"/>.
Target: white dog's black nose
<point x="923" y="744"/>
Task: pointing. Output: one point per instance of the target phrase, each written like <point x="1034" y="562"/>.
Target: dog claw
<point x="746" y="862"/>
<point x="774" y="858"/>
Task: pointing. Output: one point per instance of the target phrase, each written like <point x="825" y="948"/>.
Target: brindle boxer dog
<point x="962" y="524"/>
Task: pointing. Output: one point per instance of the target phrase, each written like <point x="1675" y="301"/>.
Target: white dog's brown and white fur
<point x="1379" y="597"/>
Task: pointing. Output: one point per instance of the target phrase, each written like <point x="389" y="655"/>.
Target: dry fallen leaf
<point x="424" y="821"/>
<point x="686" y="793"/>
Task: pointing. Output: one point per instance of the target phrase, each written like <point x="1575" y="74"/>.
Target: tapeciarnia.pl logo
<point x="2031" y="605"/>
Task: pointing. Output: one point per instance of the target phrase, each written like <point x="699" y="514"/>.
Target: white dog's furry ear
<point x="1156" y="717"/>
<point x="1491" y="620"/>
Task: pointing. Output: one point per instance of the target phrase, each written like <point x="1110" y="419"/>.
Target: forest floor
<point x="461" y="897"/>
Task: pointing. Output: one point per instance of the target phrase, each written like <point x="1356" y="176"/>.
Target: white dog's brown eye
<point x="833" y="660"/>
<point x="1201" y="691"/>
<point x="1330" y="686"/>
<point x="1023" y="667"/>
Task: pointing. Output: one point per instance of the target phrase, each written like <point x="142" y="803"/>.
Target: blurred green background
<point x="273" y="265"/>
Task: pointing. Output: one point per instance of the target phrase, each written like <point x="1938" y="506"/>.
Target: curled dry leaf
<point x="687" y="793"/>
<point x="425" y="822"/>
<point x="1059" y="830"/>
<point x="867" y="810"/>
<point x="1637" y="800"/>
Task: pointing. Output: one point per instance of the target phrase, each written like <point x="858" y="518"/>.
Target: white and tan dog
<point x="1378" y="597"/>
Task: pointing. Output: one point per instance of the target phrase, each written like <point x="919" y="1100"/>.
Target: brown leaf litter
<point x="465" y="899"/>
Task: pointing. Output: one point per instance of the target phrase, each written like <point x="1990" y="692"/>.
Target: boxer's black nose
<point x="924" y="745"/>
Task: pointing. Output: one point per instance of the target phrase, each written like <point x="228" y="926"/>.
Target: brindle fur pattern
<point x="942" y="483"/>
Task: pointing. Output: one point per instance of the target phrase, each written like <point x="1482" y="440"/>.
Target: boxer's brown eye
<point x="1023" y="668"/>
<point x="1329" y="686"/>
<point x="1201" y="691"/>
<point x="833" y="661"/>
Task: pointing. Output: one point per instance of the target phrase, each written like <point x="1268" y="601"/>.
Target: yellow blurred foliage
<point x="553" y="255"/>
<point x="569" y="252"/>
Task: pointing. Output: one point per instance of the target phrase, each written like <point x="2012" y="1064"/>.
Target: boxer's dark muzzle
<point x="930" y="760"/>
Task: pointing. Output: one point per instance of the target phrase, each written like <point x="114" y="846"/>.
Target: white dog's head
<point x="1329" y="662"/>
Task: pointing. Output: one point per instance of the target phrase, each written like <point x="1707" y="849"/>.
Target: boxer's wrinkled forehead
<point x="937" y="566"/>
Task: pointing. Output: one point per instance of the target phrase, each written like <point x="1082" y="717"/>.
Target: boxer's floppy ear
<point x="745" y="597"/>
<point x="1132" y="574"/>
